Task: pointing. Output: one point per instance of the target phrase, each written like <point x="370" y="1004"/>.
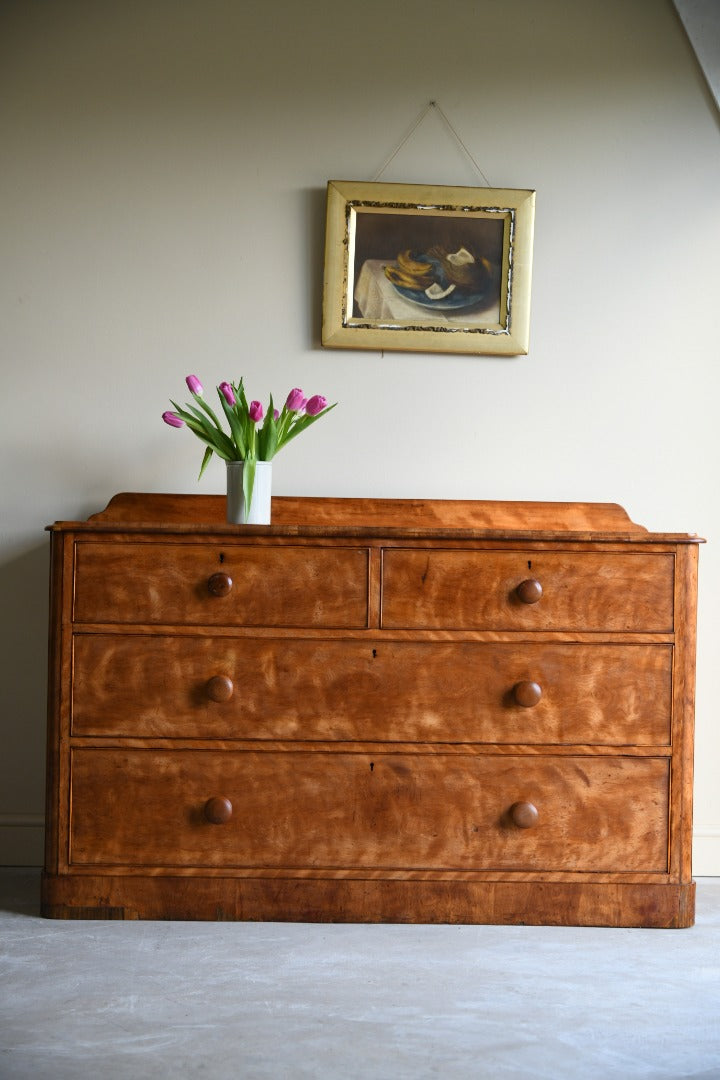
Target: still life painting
<point x="436" y="269"/>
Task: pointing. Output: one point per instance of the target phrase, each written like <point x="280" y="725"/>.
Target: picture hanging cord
<point x="432" y="105"/>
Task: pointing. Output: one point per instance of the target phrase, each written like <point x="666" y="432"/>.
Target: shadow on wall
<point x="314" y="245"/>
<point x="23" y="687"/>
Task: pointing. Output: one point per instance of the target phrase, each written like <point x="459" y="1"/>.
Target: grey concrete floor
<point x="253" y="1001"/>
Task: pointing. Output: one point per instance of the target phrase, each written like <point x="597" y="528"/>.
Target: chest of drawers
<point x="372" y="710"/>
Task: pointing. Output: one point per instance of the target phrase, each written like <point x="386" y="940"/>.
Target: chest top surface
<point x="364" y="517"/>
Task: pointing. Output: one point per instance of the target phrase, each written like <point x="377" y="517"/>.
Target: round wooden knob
<point x="219" y="584"/>
<point x="218" y="810"/>
<point x="524" y="815"/>
<point x="527" y="693"/>
<point x="529" y="591"/>
<point x="219" y="688"/>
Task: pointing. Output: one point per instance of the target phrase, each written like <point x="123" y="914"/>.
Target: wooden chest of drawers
<point x="371" y="711"/>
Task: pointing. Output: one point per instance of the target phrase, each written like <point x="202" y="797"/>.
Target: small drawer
<point x="236" y="585"/>
<point x="376" y="691"/>
<point x="527" y="590"/>
<point x="301" y="810"/>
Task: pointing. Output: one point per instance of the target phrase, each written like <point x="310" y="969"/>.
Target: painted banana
<point x="407" y="281"/>
<point x="411" y="266"/>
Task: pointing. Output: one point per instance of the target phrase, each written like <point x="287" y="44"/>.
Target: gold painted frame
<point x="478" y="268"/>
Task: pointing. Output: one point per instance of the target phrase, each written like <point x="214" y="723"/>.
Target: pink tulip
<point x="276" y="414"/>
<point x="255" y="411"/>
<point x="194" y="385"/>
<point x="315" y="405"/>
<point x="173" y="419"/>
<point x="227" y="392"/>
<point x="296" y="401"/>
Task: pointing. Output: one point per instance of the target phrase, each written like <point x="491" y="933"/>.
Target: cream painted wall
<point x="162" y="212"/>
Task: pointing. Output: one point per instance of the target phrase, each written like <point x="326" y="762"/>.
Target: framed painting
<point x="427" y="269"/>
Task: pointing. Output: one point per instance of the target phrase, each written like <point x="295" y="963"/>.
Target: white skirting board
<point x="706" y="850"/>
<point x="22" y="837"/>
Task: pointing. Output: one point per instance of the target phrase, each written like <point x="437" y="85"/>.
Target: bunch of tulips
<point x="252" y="433"/>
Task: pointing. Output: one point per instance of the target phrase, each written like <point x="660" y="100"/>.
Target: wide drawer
<point x="215" y="687"/>
<point x="195" y="584"/>
<point x="462" y="589"/>
<point x="334" y="811"/>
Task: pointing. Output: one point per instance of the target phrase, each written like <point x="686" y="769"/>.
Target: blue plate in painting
<point x="456" y="301"/>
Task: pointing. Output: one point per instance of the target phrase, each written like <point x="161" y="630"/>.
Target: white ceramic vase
<point x="259" y="513"/>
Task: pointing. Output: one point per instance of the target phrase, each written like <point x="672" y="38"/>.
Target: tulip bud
<point x="172" y="419"/>
<point x="255" y="411"/>
<point x="194" y="385"/>
<point x="315" y="405"/>
<point x="296" y="401"/>
<point x="227" y="392"/>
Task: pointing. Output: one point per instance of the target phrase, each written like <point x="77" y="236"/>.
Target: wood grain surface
<point x="376" y="690"/>
<point x="406" y="710"/>
<point x="336" y="810"/>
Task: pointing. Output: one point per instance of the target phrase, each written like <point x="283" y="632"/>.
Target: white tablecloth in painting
<point x="379" y="301"/>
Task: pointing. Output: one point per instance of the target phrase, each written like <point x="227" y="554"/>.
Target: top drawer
<point x="461" y="589"/>
<point x="236" y="585"/>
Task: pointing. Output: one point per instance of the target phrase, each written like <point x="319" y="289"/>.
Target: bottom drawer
<point x="304" y="809"/>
